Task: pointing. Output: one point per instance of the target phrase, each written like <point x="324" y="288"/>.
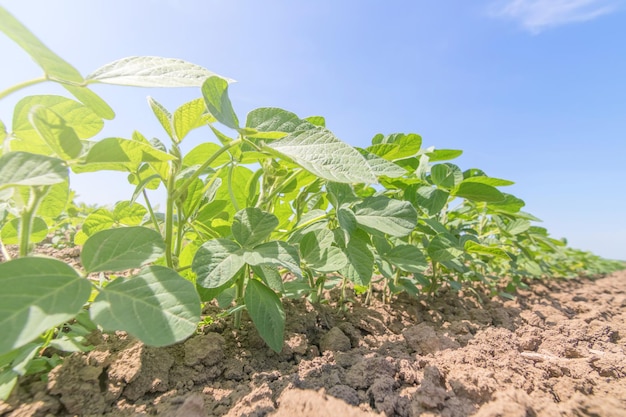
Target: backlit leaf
<point x="252" y="226"/>
<point x="215" y="93"/>
<point x="320" y="152"/>
<point x="151" y="71"/>
<point x="23" y="168"/>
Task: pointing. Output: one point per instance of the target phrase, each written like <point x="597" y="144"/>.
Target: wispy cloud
<point x="537" y="15"/>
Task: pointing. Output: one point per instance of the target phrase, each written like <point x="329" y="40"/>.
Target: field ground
<point x="557" y="350"/>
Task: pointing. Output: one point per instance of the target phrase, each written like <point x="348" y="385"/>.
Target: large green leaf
<point x="55" y="200"/>
<point x="477" y="191"/>
<point x="321" y="153"/>
<point x="151" y="71"/>
<point x="385" y="215"/>
<point x="202" y="152"/>
<point x="397" y="146"/>
<point x="157" y="306"/>
<point x="57" y="134"/>
<point x="37" y="294"/>
<point x="509" y="204"/>
<point x="272" y="119"/>
<point x="119" y="154"/>
<point x="189" y="116"/>
<point x="252" y="226"/>
<point x="490" y="251"/>
<point x="80" y="118"/>
<point x="23" y="168"/>
<point x="319" y="255"/>
<point x="121" y="249"/>
<point x="266" y="311"/>
<point x="382" y="167"/>
<point x="360" y="267"/>
<point x="407" y="257"/>
<point x="275" y="253"/>
<point x="432" y="200"/>
<point x="51" y="63"/>
<point x="216" y="262"/>
<point x="215" y="93"/>
<point x="443" y="248"/>
<point x="446" y="175"/>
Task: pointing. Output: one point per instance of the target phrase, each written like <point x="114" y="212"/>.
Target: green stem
<point x="241" y="282"/>
<point x="26" y="223"/>
<point x="169" y="220"/>
<point x="179" y="230"/>
<point x="204" y="166"/>
<point x="155" y="222"/>
<point x="305" y="224"/>
<point x="233" y="200"/>
<point x="21" y="85"/>
<point x="272" y="194"/>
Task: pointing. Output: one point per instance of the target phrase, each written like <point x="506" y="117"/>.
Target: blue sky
<point x="531" y="90"/>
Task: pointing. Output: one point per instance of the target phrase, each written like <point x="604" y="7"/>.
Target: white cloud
<point x="537" y="15"/>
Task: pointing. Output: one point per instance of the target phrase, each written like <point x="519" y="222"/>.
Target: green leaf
<point x="189" y="116"/>
<point x="10" y="231"/>
<point x="397" y="146"/>
<point x="8" y="380"/>
<point x="271" y="119"/>
<point x="99" y="219"/>
<point x="510" y="204"/>
<point x="152" y="71"/>
<point x="237" y="190"/>
<point x="270" y="276"/>
<point x="406" y="257"/>
<point x="491" y="251"/>
<point x="55" y="201"/>
<point x="51" y="63"/>
<point x="476" y="191"/>
<point x="252" y="226"/>
<point x="316" y="120"/>
<point x="163" y="116"/>
<point x="121" y="249"/>
<point x="91" y="100"/>
<point x="319" y="255"/>
<point x="443" y="248"/>
<point x="266" y="311"/>
<point x="119" y="154"/>
<point x="130" y="214"/>
<point x="321" y="153"/>
<point x="23" y="168"/>
<point x="216" y="262"/>
<point x="37" y="294"/>
<point x="275" y="253"/>
<point x="381" y="214"/>
<point x="157" y="306"/>
<point x="494" y="182"/>
<point x="443" y="154"/>
<point x="80" y="118"/>
<point x="60" y="137"/>
<point x="431" y="199"/>
<point x="516" y="227"/>
<point x="215" y="93"/>
<point x="446" y="175"/>
<point x="202" y="152"/>
<point x="347" y="221"/>
<point x="382" y="167"/>
<point x="360" y="265"/>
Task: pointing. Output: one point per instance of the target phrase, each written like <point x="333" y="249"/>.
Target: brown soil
<point x="557" y="350"/>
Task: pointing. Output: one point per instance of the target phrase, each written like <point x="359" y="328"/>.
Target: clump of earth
<point x="557" y="349"/>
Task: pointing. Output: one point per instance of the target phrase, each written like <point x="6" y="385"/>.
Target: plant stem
<point x="22" y="85"/>
<point x="179" y="230"/>
<point x="239" y="294"/>
<point x="149" y="206"/>
<point x="4" y="252"/>
<point x="204" y="166"/>
<point x="233" y="200"/>
<point x="169" y="218"/>
<point x="26" y="222"/>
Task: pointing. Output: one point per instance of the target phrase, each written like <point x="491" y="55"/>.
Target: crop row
<point x="279" y="197"/>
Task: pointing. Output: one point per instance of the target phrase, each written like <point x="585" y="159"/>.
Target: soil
<point x="558" y="349"/>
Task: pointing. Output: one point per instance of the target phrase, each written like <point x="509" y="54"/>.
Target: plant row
<point x="269" y="207"/>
